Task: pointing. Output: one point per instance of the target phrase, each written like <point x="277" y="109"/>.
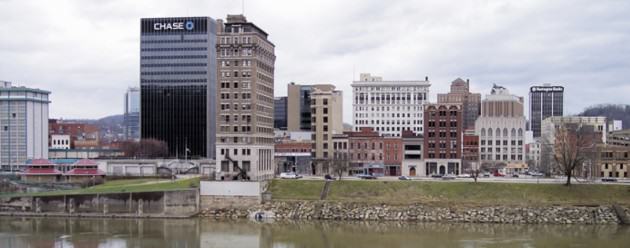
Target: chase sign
<point x="155" y="25"/>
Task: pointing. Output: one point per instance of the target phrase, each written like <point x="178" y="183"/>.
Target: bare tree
<point x="145" y="148"/>
<point x="474" y="170"/>
<point x="574" y="145"/>
<point x="340" y="163"/>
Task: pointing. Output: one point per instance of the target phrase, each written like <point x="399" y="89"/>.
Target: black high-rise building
<point x="280" y="113"/>
<point x="178" y="84"/>
<point x="544" y="101"/>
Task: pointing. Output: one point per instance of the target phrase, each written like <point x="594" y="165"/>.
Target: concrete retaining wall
<point x="181" y="203"/>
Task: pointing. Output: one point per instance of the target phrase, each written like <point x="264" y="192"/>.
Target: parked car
<point x="329" y="178"/>
<point x="609" y="179"/>
<point x="366" y="176"/>
<point x="486" y="174"/>
<point x="464" y="176"/>
<point x="404" y="178"/>
<point x="436" y="175"/>
<point x="449" y="177"/>
<point x="290" y="175"/>
<point x="498" y="174"/>
<point x="515" y="175"/>
<point x="536" y="174"/>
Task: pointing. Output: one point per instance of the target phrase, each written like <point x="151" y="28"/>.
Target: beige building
<point x="471" y="102"/>
<point x="612" y="161"/>
<point x="501" y="129"/>
<point x="326" y="121"/>
<point x="245" y="78"/>
<point x="299" y="105"/>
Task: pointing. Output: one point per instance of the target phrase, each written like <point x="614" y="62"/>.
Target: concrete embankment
<point x="180" y="203"/>
<point x="319" y="210"/>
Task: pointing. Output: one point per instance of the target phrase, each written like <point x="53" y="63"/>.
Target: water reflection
<point x="57" y="232"/>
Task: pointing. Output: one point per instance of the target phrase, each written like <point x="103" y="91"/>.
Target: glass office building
<point x="178" y="84"/>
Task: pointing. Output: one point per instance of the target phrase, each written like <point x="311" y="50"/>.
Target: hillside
<point x="611" y="111"/>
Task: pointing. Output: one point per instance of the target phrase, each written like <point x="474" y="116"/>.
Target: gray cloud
<point x="86" y="52"/>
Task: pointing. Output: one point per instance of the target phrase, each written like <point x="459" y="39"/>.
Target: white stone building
<point x="388" y="106"/>
<point x="60" y="141"/>
<point x="501" y="128"/>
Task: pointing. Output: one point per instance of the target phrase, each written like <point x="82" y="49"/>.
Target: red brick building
<point x="442" y="138"/>
<point x="366" y="152"/>
<point x="82" y="135"/>
<point x="393" y="150"/>
<point x="470" y="151"/>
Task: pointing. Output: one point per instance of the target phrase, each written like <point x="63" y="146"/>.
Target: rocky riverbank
<point x="318" y="210"/>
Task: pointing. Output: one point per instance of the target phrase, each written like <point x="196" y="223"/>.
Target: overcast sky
<point x="87" y="52"/>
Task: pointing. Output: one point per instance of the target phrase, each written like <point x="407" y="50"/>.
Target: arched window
<point x="498" y="132"/>
<point x="483" y="132"/>
<point x="490" y="132"/>
<point x="505" y="132"/>
<point x="520" y="132"/>
<point x="513" y="132"/>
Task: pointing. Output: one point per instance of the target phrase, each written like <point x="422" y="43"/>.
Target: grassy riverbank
<point x="453" y="193"/>
<point x="124" y="185"/>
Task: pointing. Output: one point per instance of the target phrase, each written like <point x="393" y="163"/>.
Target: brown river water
<point x="75" y="232"/>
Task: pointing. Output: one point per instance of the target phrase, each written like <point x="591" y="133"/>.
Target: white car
<point x="289" y="175"/>
<point x="448" y="177"/>
<point x="464" y="176"/>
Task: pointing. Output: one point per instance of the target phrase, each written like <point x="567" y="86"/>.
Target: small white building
<point x="60" y="141"/>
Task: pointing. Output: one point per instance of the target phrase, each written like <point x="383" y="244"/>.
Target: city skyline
<point x="512" y="44"/>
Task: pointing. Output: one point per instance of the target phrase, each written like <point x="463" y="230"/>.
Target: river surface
<point x="74" y="232"/>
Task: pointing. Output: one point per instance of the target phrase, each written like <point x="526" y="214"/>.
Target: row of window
<point x="505" y="142"/>
<point x="227" y="63"/>
<point x="245" y="74"/>
<point x="498" y="157"/>
<point x="199" y="80"/>
<point x="175" y="41"/>
<point x="147" y="73"/>
<point x="176" y="65"/>
<point x="173" y="49"/>
<point x="175" y="57"/>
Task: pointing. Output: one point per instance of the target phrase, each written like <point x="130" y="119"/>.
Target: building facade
<point x="443" y="139"/>
<point x="413" y="163"/>
<point x="612" y="161"/>
<point x="280" y="113"/>
<point x="245" y="127"/>
<point x="82" y="135"/>
<point x="389" y="107"/>
<point x="293" y="156"/>
<point x="470" y="152"/>
<point x="132" y="114"/>
<point x="393" y="155"/>
<point x="23" y="125"/>
<point x="471" y="102"/>
<point x="178" y="84"/>
<point x="299" y="105"/>
<point x="550" y="126"/>
<point x="501" y="129"/>
<point x="326" y="121"/>
<point x="366" y="152"/>
<point x="544" y="101"/>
